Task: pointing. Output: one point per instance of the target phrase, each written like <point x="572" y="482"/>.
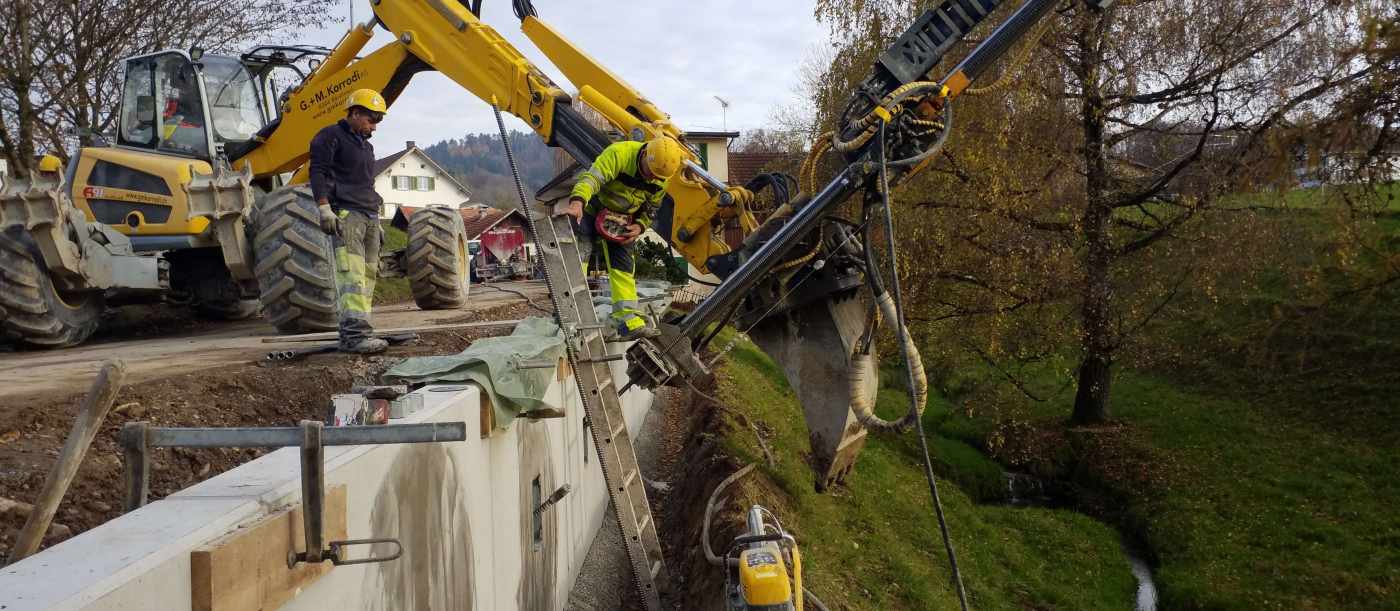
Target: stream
<point x="1024" y="490"/>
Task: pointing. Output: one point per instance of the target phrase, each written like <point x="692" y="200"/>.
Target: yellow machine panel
<point x="763" y="577"/>
<point x="136" y="192"/>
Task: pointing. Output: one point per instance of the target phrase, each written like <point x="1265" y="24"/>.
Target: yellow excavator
<point x="201" y="198"/>
<point x="198" y="199"/>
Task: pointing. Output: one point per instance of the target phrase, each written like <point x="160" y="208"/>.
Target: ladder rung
<point x="655" y="569"/>
<point x="646" y="521"/>
<point x="631" y="477"/>
<point x="620" y="429"/>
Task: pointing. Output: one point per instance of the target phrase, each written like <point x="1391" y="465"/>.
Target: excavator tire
<point x="436" y="261"/>
<point x="32" y="311"/>
<point x="295" y="262"/>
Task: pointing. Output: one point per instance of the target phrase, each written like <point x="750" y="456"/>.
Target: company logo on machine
<point x="332" y="96"/>
<point x="761" y="559"/>
<point x="92" y="192"/>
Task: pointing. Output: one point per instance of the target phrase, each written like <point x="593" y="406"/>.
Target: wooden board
<point x="317" y="337"/>
<point x="247" y="569"/>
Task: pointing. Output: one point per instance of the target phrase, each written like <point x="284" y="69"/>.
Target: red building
<point x="499" y="242"/>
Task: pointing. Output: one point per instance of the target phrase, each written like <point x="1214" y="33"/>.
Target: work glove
<point x="330" y="223"/>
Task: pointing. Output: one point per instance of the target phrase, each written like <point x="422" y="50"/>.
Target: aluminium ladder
<point x="592" y="369"/>
<point x="588" y="357"/>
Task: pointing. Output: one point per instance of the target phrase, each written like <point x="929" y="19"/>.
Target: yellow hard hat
<point x="367" y="99"/>
<point x="663" y="157"/>
<point x="49" y="163"/>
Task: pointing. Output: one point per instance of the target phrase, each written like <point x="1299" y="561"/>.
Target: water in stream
<point x="1024" y="490"/>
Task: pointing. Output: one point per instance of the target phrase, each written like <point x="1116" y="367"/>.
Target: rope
<point x="909" y="370"/>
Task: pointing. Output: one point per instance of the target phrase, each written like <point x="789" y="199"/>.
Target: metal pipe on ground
<point x="89" y="421"/>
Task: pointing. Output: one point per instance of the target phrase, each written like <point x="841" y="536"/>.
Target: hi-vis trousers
<point x="356" y="269"/>
<point x="621" y="267"/>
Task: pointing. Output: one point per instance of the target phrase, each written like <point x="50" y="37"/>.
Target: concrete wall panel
<point x="463" y="512"/>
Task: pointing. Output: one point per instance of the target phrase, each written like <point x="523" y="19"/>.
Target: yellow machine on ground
<point x="197" y="199"/>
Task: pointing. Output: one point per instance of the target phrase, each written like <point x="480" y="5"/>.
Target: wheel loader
<point x="161" y="214"/>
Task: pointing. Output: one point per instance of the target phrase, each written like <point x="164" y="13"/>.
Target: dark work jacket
<point x="342" y="170"/>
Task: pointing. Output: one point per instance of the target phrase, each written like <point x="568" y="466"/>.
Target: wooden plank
<point x="317" y="337"/>
<point x="247" y="569"/>
<point x="488" y="415"/>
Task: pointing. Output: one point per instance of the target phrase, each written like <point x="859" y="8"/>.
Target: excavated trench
<point x="682" y="464"/>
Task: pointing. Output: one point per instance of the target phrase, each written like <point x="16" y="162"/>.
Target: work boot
<point x="364" y="345"/>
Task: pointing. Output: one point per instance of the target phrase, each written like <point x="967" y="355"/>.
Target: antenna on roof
<point x="724" y="110"/>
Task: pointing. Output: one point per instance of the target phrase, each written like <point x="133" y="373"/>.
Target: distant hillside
<point x="479" y="161"/>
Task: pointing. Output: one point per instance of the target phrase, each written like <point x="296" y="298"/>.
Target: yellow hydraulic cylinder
<point x="582" y="71"/>
<point x="345" y="52"/>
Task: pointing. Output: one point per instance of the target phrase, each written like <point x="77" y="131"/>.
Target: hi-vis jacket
<point x="615" y="182"/>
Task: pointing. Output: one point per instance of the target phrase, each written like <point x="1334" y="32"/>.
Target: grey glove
<point x="330" y="223"/>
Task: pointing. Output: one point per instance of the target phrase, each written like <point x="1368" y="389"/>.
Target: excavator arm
<point x="444" y="35"/>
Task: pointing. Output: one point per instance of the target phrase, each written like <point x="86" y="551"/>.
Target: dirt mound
<point x="33" y="427"/>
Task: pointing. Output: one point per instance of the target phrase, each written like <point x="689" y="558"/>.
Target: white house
<point x="411" y="178"/>
<point x="714" y="151"/>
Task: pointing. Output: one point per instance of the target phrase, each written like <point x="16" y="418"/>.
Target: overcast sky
<point x="680" y="54"/>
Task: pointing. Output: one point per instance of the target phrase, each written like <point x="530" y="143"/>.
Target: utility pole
<point x="351" y="4"/>
<point x="724" y="111"/>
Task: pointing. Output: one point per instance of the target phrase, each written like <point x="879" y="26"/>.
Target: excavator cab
<point x="173" y="104"/>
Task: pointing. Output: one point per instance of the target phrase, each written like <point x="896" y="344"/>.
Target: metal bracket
<point x="137" y="438"/>
<point x="225" y="197"/>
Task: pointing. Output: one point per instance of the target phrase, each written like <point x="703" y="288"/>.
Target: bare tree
<point x="63" y="58"/>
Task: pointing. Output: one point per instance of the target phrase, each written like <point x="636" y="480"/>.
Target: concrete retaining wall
<point x="462" y="511"/>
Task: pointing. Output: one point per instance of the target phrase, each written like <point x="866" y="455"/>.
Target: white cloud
<point x="678" y="54"/>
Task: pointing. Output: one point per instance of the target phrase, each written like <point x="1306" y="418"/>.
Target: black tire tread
<point x="30" y="311"/>
<point x="295" y="263"/>
<point x="431" y="259"/>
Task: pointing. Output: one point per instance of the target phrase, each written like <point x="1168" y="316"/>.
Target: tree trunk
<point x="1091" y="401"/>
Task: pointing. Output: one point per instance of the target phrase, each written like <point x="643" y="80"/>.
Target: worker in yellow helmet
<point x="613" y="203"/>
<point x="50" y="167"/>
<point x="342" y="181"/>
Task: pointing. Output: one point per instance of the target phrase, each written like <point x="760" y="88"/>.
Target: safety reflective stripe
<point x="631" y="320"/>
<point x="623" y="285"/>
<point x="354" y="285"/>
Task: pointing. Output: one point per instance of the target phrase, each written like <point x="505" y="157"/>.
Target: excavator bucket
<point x="813" y="344"/>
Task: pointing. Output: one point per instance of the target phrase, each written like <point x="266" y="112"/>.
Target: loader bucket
<point x="813" y="344"/>
<point x="41" y="208"/>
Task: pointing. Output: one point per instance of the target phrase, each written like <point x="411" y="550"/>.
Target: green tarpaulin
<point x="491" y="363"/>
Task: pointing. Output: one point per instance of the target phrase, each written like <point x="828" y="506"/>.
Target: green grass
<point x="1267" y="512"/>
<point x="1250" y="509"/>
<point x="874" y="543"/>
<point x="392" y="290"/>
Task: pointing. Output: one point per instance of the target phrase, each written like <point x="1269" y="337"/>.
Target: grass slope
<point x="1273" y="479"/>
<point x="874" y="544"/>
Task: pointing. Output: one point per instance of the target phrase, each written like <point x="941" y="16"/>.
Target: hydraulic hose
<point x="863" y="371"/>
